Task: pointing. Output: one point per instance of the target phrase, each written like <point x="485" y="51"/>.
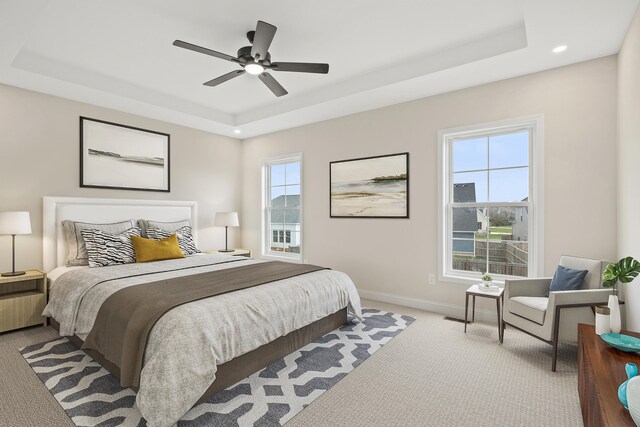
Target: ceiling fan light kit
<point x="256" y="60"/>
<point x="254" y="69"/>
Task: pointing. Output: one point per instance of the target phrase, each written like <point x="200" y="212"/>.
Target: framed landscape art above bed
<point x="370" y="187"/>
<point x="123" y="157"/>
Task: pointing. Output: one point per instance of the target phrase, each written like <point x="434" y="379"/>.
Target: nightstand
<point x="235" y="252"/>
<point x="22" y="300"/>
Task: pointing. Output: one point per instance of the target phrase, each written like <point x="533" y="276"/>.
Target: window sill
<point x="468" y="281"/>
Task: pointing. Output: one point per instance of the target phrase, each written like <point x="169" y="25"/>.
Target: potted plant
<point x="486" y="280"/>
<point x="623" y="271"/>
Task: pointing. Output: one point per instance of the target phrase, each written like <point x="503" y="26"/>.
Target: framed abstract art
<point x="123" y="157"/>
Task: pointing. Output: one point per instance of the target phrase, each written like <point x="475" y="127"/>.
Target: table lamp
<point x="226" y="219"/>
<point x="12" y="223"/>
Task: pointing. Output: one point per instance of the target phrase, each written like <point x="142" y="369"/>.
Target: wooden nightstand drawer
<point x="22" y="299"/>
<point x="20" y="310"/>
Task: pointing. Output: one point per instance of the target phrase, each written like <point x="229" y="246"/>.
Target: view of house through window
<point x="283" y="207"/>
<point x="489" y="203"/>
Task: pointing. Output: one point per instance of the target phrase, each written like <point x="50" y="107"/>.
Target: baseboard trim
<point x="455" y="311"/>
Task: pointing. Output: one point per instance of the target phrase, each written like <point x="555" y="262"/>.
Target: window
<point x="490" y="215"/>
<point x="282" y="207"/>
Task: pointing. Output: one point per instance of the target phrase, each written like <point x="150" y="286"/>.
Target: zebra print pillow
<point x="185" y="238"/>
<point x="110" y="249"/>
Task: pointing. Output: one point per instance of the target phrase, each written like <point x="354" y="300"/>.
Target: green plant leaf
<point x="610" y="275"/>
<point x="629" y="269"/>
<point x="624" y="271"/>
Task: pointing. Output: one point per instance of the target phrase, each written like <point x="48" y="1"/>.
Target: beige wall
<point x="39" y="157"/>
<point x="628" y="158"/>
<point x="39" y="152"/>
<point x="395" y="256"/>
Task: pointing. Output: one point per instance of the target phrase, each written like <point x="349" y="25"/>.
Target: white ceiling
<point x="118" y="53"/>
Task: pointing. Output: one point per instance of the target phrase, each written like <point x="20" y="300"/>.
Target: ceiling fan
<point x="256" y="59"/>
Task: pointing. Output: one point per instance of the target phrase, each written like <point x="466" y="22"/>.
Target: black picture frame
<point x="123" y="164"/>
<point x="362" y="187"/>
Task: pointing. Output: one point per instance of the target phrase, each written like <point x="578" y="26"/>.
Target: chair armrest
<point x="526" y="287"/>
<point x="582" y="296"/>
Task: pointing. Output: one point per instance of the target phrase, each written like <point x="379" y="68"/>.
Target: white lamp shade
<point x="228" y="219"/>
<point x="15" y="223"/>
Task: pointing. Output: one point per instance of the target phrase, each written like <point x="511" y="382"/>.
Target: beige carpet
<point x="432" y="374"/>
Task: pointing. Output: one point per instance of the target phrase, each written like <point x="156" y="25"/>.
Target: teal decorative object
<point x="632" y="371"/>
<point x="622" y="342"/>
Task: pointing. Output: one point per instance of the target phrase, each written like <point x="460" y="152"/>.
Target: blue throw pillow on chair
<point x="567" y="279"/>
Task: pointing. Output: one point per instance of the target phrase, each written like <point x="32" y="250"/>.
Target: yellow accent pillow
<point x="156" y="250"/>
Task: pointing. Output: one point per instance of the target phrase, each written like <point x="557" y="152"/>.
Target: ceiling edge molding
<point x="508" y="40"/>
<point x="74" y="75"/>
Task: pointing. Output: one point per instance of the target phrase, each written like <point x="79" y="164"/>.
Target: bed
<point x="201" y="347"/>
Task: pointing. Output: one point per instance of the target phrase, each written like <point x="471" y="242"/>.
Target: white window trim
<point x="536" y="189"/>
<point x="266" y="232"/>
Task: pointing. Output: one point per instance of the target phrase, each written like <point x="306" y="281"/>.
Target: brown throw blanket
<point x="126" y="318"/>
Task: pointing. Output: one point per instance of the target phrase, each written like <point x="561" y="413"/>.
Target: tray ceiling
<point x="118" y="53"/>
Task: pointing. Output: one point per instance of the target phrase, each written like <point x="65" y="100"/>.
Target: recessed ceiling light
<point x="237" y="131"/>
<point x="559" y="49"/>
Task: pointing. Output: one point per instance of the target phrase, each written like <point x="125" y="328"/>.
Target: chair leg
<point x="556" y="331"/>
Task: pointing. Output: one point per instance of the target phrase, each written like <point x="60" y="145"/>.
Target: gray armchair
<point x="555" y="318"/>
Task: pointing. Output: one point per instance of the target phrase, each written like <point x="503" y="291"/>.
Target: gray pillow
<point x="171" y="227"/>
<point x="76" y="247"/>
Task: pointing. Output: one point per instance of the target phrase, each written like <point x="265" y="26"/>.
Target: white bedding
<point x="188" y="342"/>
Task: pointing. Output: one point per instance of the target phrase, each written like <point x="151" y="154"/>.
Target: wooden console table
<point x="600" y="373"/>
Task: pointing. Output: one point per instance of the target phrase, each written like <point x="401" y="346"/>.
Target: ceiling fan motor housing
<point x="244" y="55"/>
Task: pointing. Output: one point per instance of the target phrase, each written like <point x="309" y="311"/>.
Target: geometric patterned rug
<point x="91" y="396"/>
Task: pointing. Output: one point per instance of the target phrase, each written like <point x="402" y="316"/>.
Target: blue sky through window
<point x="285" y="181"/>
<point x="293" y="173"/>
<point x="509" y="150"/>
<point x="481" y="155"/>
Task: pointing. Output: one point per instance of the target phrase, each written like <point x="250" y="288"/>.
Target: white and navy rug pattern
<point x="91" y="396"/>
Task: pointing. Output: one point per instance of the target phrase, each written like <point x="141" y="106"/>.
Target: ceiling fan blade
<point x="272" y="84"/>
<point x="225" y="77"/>
<point x="204" y="50"/>
<point x="300" y="67"/>
<point x="262" y="39"/>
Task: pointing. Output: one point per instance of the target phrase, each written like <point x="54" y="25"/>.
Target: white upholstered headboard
<point x="57" y="209"/>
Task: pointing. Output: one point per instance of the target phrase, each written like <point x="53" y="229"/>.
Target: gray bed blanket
<point x="126" y="318"/>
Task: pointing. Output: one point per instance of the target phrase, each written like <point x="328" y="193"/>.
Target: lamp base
<point x="226" y="250"/>
<point x="13" y="273"/>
